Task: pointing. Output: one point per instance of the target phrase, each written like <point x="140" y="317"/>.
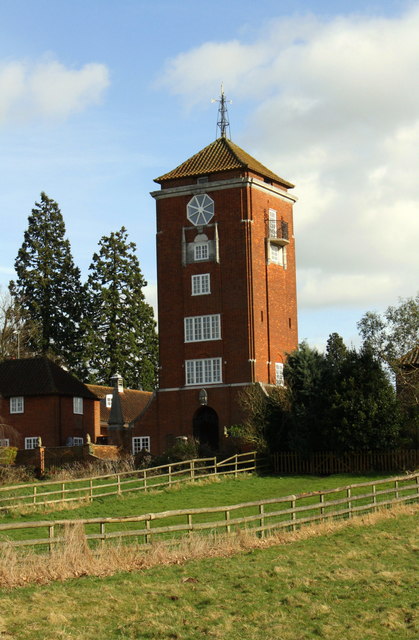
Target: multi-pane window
<point x="201" y="251"/>
<point x="4" y="442"/>
<point x="198" y="328"/>
<point x="17" y="404"/>
<point x="78" y="405"/>
<point x="272" y="223"/>
<point x="277" y="254"/>
<point x="77" y="442"/>
<point x="32" y="442"/>
<point x="279" y="374"/>
<point x="205" y="371"/>
<point x="139" y="443"/>
<point x="201" y="284"/>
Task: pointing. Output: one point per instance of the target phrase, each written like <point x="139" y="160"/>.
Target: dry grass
<point x="74" y="558"/>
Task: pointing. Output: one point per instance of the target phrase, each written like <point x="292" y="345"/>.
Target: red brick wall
<point x="52" y="418"/>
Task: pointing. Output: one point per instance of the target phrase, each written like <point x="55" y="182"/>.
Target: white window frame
<point x="201" y="251"/>
<point x="4" y="442"/>
<point x="77" y="441"/>
<point x="203" y="371"/>
<point x="108" y="400"/>
<point x="279" y="374"/>
<point x="202" y="328"/>
<point x="31" y="442"/>
<point x="17" y="404"/>
<point x="201" y="284"/>
<point x="277" y="255"/>
<point x="272" y="224"/>
<point x="139" y="443"/>
<point x="78" y="405"/>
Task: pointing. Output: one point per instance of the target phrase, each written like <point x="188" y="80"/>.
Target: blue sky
<point x="97" y="98"/>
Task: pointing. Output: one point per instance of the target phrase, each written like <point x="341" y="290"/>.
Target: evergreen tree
<point x="121" y="332"/>
<point x="48" y="285"/>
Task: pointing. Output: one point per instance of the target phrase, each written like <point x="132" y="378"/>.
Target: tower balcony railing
<point x="277" y="232"/>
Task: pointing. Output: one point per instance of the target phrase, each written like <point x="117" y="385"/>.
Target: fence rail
<point x="350" y="462"/>
<point x="152" y="478"/>
<point x="260" y="517"/>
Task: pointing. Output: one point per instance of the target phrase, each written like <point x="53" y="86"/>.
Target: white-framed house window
<point x="4" y="442"/>
<point x="17" y="404"/>
<point x="201" y="251"/>
<point x="31" y="442"/>
<point x="204" y="371"/>
<point x="279" y="374"/>
<point x="78" y="405"/>
<point x="199" y="328"/>
<point x="139" y="443"/>
<point x="201" y="284"/>
<point x="77" y="442"/>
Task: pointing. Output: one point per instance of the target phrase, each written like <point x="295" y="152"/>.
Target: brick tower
<point x="226" y="291"/>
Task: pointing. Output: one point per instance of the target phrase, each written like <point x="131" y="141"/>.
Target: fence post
<point x="322" y="502"/>
<point x="262" y="520"/>
<point x="396" y="489"/>
<point x="374" y="497"/>
<point x="294" y="514"/>
<point x="227" y="519"/>
<point x="348" y="496"/>
<point x="235" y="466"/>
<point x="145" y="480"/>
<point x="192" y="470"/>
<point x="147" y="536"/>
<point x="34" y="495"/>
<point x="170" y="475"/>
<point x="118" y="478"/>
<point x="190" y="523"/>
<point x="50" y="535"/>
<point x="417" y="484"/>
<point x="215" y="465"/>
<point x="102" y="533"/>
<point x="91" y="488"/>
<point x="62" y="490"/>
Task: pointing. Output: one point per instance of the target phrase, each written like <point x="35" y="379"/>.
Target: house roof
<point x="220" y="155"/>
<point x="411" y="358"/>
<point x="133" y="401"/>
<point x="39" y="377"/>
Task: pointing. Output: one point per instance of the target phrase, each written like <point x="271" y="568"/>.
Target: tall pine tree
<point x="121" y="331"/>
<point x="48" y="285"/>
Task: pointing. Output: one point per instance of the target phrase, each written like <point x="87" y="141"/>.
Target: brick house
<point x="227" y="308"/>
<point x="119" y="407"/>
<point x="39" y="399"/>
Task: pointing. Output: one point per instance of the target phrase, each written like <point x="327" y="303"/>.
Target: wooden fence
<point x="325" y="462"/>
<point x="259" y="518"/>
<point x="153" y="478"/>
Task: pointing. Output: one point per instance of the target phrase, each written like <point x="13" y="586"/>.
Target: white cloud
<point x="48" y="89"/>
<point x="338" y="114"/>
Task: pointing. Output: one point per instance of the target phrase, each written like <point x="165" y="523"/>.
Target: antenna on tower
<point x="223" y="123"/>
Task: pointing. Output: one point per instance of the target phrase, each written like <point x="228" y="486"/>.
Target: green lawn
<point x="357" y="583"/>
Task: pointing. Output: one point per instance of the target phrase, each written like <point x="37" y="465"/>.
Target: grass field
<point x="355" y="580"/>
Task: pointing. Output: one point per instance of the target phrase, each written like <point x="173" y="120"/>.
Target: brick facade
<point x="255" y="298"/>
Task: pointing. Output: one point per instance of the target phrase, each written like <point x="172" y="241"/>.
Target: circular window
<point x="200" y="210"/>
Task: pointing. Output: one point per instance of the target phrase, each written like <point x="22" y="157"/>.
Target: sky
<point x="99" y="97"/>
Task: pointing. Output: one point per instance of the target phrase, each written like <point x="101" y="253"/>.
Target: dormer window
<point x="108" y="399"/>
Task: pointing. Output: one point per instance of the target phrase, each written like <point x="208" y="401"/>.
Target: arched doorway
<point x="205" y="427"/>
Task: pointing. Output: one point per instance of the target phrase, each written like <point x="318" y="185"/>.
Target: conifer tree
<point x="121" y="331"/>
<point x="48" y="285"/>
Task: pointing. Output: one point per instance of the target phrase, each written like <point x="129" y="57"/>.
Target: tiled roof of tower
<point x="221" y="155"/>
<point x="411" y="358"/>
